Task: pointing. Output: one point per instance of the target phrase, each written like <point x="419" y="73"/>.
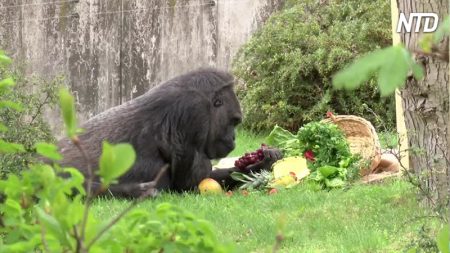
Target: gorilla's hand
<point x="271" y="155"/>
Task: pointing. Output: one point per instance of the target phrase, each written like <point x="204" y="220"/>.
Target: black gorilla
<point x="184" y="122"/>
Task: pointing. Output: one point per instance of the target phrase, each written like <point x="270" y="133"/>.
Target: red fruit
<point x="229" y="193"/>
<point x="273" y="191"/>
<point x="309" y="155"/>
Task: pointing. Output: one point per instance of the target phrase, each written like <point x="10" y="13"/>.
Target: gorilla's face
<point x="226" y="115"/>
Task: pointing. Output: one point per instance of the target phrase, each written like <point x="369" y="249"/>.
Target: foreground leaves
<point x="68" y="112"/>
<point x="391" y="65"/>
<point x="443" y="239"/>
<point x="115" y="161"/>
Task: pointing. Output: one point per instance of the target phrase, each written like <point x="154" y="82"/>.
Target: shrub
<point x="285" y="69"/>
<point x="27" y="125"/>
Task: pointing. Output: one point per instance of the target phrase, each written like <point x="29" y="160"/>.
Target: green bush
<point x="27" y="125"/>
<point x="285" y="69"/>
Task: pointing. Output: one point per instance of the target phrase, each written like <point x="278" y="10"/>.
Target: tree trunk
<point x="426" y="108"/>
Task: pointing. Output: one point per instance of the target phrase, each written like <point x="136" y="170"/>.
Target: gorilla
<point x="183" y="123"/>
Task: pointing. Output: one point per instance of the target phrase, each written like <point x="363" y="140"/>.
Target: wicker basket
<point x="362" y="138"/>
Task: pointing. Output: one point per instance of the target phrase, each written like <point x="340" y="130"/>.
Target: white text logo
<point x="405" y="23"/>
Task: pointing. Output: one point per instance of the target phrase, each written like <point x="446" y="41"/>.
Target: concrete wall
<point x="113" y="50"/>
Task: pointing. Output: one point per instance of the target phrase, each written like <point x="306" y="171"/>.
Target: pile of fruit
<point x="318" y="151"/>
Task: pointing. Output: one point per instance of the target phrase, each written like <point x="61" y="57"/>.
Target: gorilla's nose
<point x="236" y="119"/>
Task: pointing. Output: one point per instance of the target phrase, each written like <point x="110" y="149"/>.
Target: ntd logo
<point x="407" y="23"/>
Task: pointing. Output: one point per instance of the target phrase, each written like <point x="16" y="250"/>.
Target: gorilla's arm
<point x="224" y="175"/>
<point x="188" y="130"/>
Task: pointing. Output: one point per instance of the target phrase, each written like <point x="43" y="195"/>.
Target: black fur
<point x="184" y="122"/>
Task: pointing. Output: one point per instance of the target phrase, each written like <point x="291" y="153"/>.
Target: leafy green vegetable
<point x="284" y="140"/>
<point x="325" y="141"/>
<point x="326" y="149"/>
<point x="328" y="171"/>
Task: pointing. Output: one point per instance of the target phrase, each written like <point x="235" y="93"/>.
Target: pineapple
<point x="254" y="180"/>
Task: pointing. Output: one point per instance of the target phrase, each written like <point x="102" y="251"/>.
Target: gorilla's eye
<point x="218" y="102"/>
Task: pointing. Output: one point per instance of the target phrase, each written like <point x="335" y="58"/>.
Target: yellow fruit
<point x="289" y="165"/>
<point x="284" y="181"/>
<point x="209" y="186"/>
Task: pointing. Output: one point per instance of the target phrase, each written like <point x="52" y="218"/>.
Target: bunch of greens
<point x="325" y="148"/>
<point x="322" y="144"/>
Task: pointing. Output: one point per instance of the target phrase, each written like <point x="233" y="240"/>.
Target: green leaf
<point x="412" y="250"/>
<point x="4" y="60"/>
<point x="442" y="31"/>
<point x="115" y="161"/>
<point x="334" y="182"/>
<point x="6" y="147"/>
<point x="68" y="112"/>
<point x="75" y="180"/>
<point x="327" y="170"/>
<point x="278" y="136"/>
<point x="52" y="225"/>
<point x="13" y="206"/>
<point x="12" y="105"/>
<point x="238" y="176"/>
<point x="395" y="71"/>
<point x="426" y="43"/>
<point x="417" y="71"/>
<point x="6" y="83"/>
<point x="48" y="150"/>
<point x="361" y="70"/>
<point x="390" y="64"/>
<point x="284" y="140"/>
<point x="443" y="240"/>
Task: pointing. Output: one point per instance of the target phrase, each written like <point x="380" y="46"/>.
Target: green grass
<point x="364" y="218"/>
<point x="246" y="141"/>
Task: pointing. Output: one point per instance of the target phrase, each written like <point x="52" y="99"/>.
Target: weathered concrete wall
<point x="113" y="50"/>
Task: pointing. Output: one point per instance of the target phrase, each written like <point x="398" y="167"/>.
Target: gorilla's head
<point x="226" y="115"/>
<point x="225" y="112"/>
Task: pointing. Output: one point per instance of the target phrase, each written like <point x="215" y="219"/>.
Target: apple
<point x="209" y="186"/>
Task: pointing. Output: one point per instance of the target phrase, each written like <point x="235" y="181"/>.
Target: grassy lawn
<point x="246" y="141"/>
<point x="362" y="218"/>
